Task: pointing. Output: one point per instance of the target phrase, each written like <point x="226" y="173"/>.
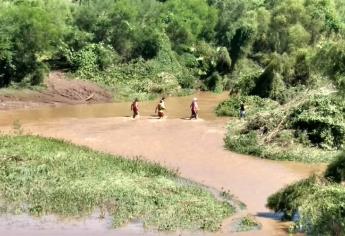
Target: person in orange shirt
<point x="161" y="108"/>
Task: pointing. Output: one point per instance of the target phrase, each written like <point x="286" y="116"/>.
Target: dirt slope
<point x="59" y="91"/>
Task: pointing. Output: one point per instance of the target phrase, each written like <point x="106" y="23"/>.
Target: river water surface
<point x="195" y="148"/>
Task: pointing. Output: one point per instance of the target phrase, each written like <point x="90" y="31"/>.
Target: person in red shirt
<point x="194" y="109"/>
<point x="135" y="108"/>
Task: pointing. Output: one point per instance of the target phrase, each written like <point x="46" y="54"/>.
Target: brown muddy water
<point x="195" y="148"/>
<point x="177" y="107"/>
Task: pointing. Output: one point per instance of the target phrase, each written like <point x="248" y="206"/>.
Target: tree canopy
<point x="209" y="43"/>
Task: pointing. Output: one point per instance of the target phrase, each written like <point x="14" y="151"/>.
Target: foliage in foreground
<point x="45" y="176"/>
<point x="318" y="203"/>
<point x="291" y="197"/>
<point x="336" y="170"/>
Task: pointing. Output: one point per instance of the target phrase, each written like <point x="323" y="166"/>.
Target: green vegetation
<point x="246" y="223"/>
<point x="266" y="48"/>
<point x="288" y="69"/>
<point x="310" y="131"/>
<point x="44" y="176"/>
<point x="310" y="128"/>
<point x="336" y="170"/>
<point x="254" y="104"/>
<point x="318" y="202"/>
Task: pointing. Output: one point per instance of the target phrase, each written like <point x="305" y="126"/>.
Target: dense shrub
<point x="243" y="78"/>
<point x="276" y="133"/>
<point x="319" y="206"/>
<point x="318" y="202"/>
<point x="323" y="211"/>
<point x="253" y="105"/>
<point x="215" y="82"/>
<point x="29" y="31"/>
<point x="323" y="119"/>
<point x="94" y="57"/>
<point x="336" y="170"/>
<point x="289" y="199"/>
<point x="245" y="143"/>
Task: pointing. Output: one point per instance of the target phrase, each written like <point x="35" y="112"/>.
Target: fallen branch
<point x="286" y="110"/>
<point x="89" y="97"/>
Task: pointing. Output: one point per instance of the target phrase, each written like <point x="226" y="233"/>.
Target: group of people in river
<point x="161" y="109"/>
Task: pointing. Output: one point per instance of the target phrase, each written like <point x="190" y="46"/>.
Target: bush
<point x="243" y="78"/>
<point x="215" y="82"/>
<point x="336" y="170"/>
<point x="267" y="121"/>
<point x="39" y="74"/>
<point x="323" y="211"/>
<point x="30" y="31"/>
<point x="94" y="57"/>
<point x="322" y="118"/>
<point x="244" y="143"/>
<point x="318" y="204"/>
<point x="289" y="199"/>
<point x="223" y="61"/>
<point x="253" y="105"/>
<point x="340" y="82"/>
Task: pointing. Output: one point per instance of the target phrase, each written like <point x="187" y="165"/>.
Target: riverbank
<point x="43" y="177"/>
<point x="56" y="91"/>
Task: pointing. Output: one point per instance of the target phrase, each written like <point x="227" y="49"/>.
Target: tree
<point x="29" y="30"/>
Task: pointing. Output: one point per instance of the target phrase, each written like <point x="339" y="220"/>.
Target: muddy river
<point x="195" y="148"/>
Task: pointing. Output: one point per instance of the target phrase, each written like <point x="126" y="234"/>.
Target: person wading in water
<point x="135" y="108"/>
<point x="161" y="108"/>
<point x="194" y="109"/>
<point x="242" y="111"/>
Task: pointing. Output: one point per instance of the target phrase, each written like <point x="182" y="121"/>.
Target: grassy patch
<point x="245" y="224"/>
<point x="46" y="176"/>
<point x="240" y="206"/>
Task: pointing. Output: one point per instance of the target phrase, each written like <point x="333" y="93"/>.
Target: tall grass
<point x="45" y="176"/>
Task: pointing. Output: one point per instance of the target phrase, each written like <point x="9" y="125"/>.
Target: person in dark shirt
<point x="242" y="111"/>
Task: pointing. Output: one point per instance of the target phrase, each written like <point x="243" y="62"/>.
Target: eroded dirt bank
<point x="58" y="91"/>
